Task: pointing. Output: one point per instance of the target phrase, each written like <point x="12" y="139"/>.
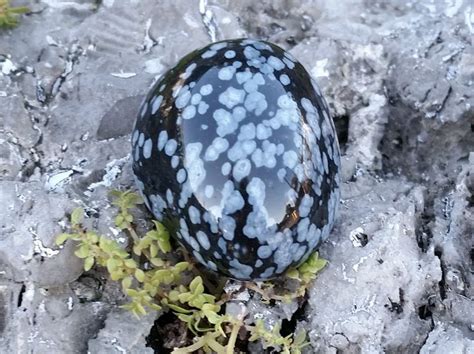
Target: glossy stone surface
<point x="235" y="152"/>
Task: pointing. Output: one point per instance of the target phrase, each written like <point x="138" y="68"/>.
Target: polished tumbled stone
<point x="235" y="152"/>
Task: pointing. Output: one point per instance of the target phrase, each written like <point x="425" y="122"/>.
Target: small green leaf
<point x="208" y="298"/>
<point x="196" y="286"/>
<point x="88" y="263"/>
<point x="293" y="273"/>
<point x="61" y="238"/>
<point x="185" y="297"/>
<point x="140" y="275"/>
<point x="92" y="237"/>
<point x="160" y="228"/>
<point x="116" y="275"/>
<point x="130" y="263"/>
<point x="107" y="247"/>
<point x="210" y="311"/>
<point x="77" y="216"/>
<point x="152" y="235"/>
<point x="157" y="262"/>
<point x="300" y="338"/>
<point x="197" y="301"/>
<point x="82" y="252"/>
<point x="134" y="199"/>
<point x="146" y="241"/>
<point x="122" y="225"/>
<point x="165" y="245"/>
<point x="182" y="266"/>
<point x="131" y="292"/>
<point x="153" y="250"/>
<point x="127" y="307"/>
<point x="140" y="309"/>
<point x="121" y="253"/>
<point x="164" y="276"/>
<point x="115" y="194"/>
<point x="19" y="10"/>
<point x="125" y="200"/>
<point x="126" y="283"/>
<point x="178" y="309"/>
<point x="319" y="264"/>
<point x="155" y="307"/>
<point x="173" y="295"/>
<point x="103" y="242"/>
<point x="137" y="250"/>
<point x="112" y="264"/>
<point x="311" y="267"/>
<point x="185" y="318"/>
<point x="119" y="219"/>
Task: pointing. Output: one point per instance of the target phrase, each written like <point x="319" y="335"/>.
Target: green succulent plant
<point x="153" y="279"/>
<point x="9" y="14"/>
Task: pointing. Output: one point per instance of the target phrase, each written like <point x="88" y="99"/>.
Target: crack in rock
<point x="208" y="20"/>
<point x="113" y="169"/>
<point x="39" y="248"/>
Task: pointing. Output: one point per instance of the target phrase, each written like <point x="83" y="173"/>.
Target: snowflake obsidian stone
<point x="235" y="152"/>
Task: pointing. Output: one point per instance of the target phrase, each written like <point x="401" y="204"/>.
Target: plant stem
<point x="233" y="337"/>
<point x="133" y="233"/>
<point x="214" y="345"/>
<point x="191" y="348"/>
<point x="267" y="296"/>
<point x="136" y="239"/>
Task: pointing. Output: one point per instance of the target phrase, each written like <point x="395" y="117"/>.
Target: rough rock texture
<point x="123" y="332"/>
<point x="386" y="276"/>
<point x="398" y="76"/>
<point x="30" y="222"/>
<point x="447" y="339"/>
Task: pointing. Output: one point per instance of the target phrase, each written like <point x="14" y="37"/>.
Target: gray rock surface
<point x="48" y="320"/>
<point x="398" y="76"/>
<point x="384" y="282"/>
<point x="123" y="332"/>
<point x="30" y="222"/>
<point x="447" y="339"/>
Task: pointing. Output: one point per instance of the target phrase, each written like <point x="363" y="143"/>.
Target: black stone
<point x="282" y="190"/>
